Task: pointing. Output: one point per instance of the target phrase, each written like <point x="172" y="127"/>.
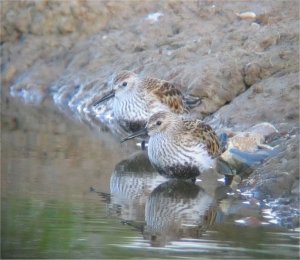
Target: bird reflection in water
<point x="163" y="210"/>
<point x="170" y="210"/>
<point x="131" y="183"/>
<point x="177" y="209"/>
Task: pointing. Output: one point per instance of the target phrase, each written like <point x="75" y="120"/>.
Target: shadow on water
<point x="49" y="164"/>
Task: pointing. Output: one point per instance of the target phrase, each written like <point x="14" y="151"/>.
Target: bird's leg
<point x="143" y="145"/>
<point x="228" y="179"/>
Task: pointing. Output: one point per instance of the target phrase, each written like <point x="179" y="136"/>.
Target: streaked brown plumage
<point x="178" y="147"/>
<point x="167" y="94"/>
<point x="137" y="98"/>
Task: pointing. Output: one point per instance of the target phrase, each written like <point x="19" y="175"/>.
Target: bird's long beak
<point x="135" y="134"/>
<point x="108" y="96"/>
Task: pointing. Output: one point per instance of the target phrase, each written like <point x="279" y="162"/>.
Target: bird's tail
<point x="192" y="101"/>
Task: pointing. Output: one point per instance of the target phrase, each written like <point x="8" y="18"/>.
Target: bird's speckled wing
<point x="167" y="94"/>
<point x="203" y="133"/>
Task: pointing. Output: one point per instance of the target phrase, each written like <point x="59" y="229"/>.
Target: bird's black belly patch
<point x="132" y="126"/>
<point x="179" y="171"/>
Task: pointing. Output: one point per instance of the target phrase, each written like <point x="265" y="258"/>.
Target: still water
<point x="68" y="191"/>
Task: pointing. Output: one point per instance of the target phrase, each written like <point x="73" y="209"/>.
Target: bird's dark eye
<point x="124" y="84"/>
<point x="158" y="123"/>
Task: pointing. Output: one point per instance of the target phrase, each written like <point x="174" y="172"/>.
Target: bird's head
<point x="123" y="81"/>
<point x="159" y="122"/>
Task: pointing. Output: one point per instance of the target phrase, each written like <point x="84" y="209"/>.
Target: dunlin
<point x="135" y="99"/>
<point x="179" y="147"/>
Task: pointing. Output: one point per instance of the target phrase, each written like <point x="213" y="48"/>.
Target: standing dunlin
<point x="137" y="98"/>
<point x="180" y="148"/>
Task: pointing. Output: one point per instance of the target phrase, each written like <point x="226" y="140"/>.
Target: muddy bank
<point x="245" y="71"/>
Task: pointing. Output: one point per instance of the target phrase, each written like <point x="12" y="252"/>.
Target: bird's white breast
<point x="131" y="107"/>
<point x="164" y="152"/>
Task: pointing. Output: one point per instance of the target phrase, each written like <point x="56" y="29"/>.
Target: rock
<point x="246" y="141"/>
<point x="35" y="92"/>
<point x="296" y="188"/>
<point x="23" y="21"/>
<point x="252" y="73"/>
<point x="66" y="25"/>
<point x="262" y="107"/>
<point x="265" y="129"/>
<point x="9" y="74"/>
<point x="245" y="150"/>
<point x="274" y="185"/>
<point x="268" y="41"/>
<point x="215" y="86"/>
<point x="277" y="176"/>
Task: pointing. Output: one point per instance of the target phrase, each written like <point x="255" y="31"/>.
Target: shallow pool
<point x="69" y="191"/>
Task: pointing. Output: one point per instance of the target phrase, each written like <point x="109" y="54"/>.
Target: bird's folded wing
<point x="168" y="94"/>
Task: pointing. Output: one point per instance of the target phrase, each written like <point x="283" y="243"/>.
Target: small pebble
<point x="246" y="15"/>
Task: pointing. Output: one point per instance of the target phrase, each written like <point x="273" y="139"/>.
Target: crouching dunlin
<point x="136" y="99"/>
<point x="180" y="148"/>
